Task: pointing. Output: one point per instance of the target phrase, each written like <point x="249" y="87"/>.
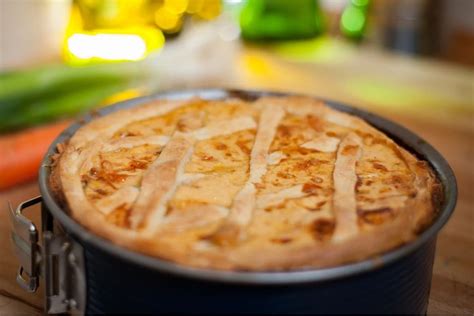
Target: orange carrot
<point x="21" y="153"/>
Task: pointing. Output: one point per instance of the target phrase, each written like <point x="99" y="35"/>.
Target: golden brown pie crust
<point x="275" y="184"/>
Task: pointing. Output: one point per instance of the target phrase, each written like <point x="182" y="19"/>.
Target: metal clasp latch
<point x="25" y="240"/>
<point x="64" y="275"/>
<point x="60" y="261"/>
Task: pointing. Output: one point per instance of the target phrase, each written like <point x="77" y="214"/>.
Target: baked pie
<point x="273" y="184"/>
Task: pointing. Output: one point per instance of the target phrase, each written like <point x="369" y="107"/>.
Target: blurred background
<point x="62" y="58"/>
<point x="411" y="61"/>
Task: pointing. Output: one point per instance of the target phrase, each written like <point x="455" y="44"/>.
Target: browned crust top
<point x="275" y="184"/>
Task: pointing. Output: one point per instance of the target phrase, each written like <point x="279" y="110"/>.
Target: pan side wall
<point x="116" y="286"/>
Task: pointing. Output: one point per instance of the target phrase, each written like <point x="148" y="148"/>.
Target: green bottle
<point x="280" y="19"/>
<point x="354" y="19"/>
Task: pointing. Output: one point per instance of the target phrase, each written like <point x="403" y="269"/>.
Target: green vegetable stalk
<point x="64" y="105"/>
<point x="44" y="94"/>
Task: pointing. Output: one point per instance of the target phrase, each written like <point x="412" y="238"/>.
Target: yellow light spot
<point x="122" y="96"/>
<point x="257" y="65"/>
<point x="166" y="19"/>
<point x="176" y="6"/>
<point x="126" y="44"/>
<point x="107" y="46"/>
<point x="210" y="9"/>
<point x="323" y="49"/>
<point x="194" y="6"/>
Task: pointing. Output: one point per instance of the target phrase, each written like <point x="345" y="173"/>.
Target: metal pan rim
<point x="400" y="134"/>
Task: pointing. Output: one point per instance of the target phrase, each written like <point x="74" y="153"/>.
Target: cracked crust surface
<point x="275" y="184"/>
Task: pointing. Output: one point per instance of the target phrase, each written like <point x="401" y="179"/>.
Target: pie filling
<point x="273" y="184"/>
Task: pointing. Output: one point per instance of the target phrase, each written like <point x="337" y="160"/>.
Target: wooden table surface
<point x="432" y="99"/>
